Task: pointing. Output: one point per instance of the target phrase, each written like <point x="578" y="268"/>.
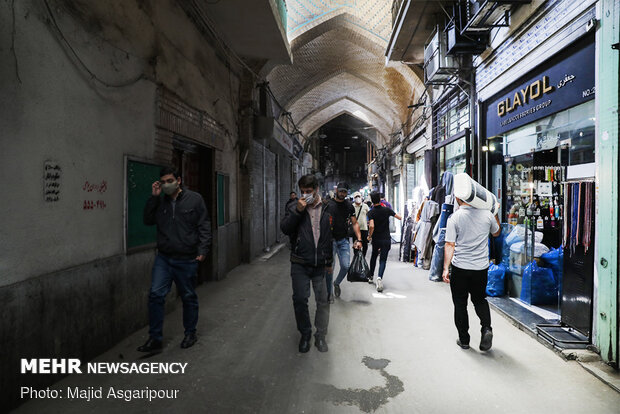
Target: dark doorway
<point x="196" y="164"/>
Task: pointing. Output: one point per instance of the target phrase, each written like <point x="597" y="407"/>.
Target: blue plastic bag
<point x="538" y="286"/>
<point x="501" y="245"/>
<point x="496" y="280"/>
<point x="555" y="260"/>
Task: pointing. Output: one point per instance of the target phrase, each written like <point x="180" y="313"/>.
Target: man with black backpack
<point x="344" y="226"/>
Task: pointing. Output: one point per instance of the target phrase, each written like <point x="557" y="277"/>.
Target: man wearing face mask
<point x="183" y="239"/>
<point x="361" y="210"/>
<point x="344" y="215"/>
<point x="309" y="224"/>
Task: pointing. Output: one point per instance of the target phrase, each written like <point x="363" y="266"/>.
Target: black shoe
<point x="337" y="290"/>
<point x="189" y="340"/>
<point x="151" y="345"/>
<point x="370" y="280"/>
<point x="462" y="345"/>
<point x="320" y="344"/>
<point x="304" y="344"/>
<point x="330" y="298"/>
<point x="487" y="339"/>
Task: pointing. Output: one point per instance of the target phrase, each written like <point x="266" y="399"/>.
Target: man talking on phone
<point x="183" y="239"/>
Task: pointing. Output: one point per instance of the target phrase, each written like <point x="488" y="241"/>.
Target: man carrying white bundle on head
<point x="467" y="250"/>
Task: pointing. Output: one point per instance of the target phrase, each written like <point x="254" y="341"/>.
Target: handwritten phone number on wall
<point x="94" y="205"/>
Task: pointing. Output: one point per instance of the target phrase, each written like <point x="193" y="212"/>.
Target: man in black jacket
<point x="309" y="225"/>
<point x="183" y="239"/>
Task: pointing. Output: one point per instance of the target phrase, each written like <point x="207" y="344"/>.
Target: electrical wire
<point x="13" y="43"/>
<point x="81" y="62"/>
<point x="227" y="50"/>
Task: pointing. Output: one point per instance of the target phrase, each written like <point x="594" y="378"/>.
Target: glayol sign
<point x="565" y="81"/>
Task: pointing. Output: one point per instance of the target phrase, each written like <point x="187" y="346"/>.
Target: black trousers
<point x="465" y="282"/>
<point x="302" y="276"/>
<point x="380" y="248"/>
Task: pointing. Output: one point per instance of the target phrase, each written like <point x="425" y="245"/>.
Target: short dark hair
<point x="169" y="170"/>
<point x="375" y="197"/>
<point x="293" y="192"/>
<point x="308" y="181"/>
<point x="382" y="195"/>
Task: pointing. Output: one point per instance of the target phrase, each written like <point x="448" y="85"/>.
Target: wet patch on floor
<point x="368" y="400"/>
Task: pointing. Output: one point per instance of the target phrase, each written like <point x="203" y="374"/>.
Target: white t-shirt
<point x="361" y="219"/>
<point x="468" y="228"/>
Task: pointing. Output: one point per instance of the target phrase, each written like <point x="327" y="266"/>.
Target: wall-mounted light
<point x="347" y="148"/>
<point x="491" y="147"/>
<point x="354" y="137"/>
<point x="485" y="148"/>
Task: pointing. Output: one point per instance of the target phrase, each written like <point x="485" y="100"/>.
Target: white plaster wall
<point x="56" y="114"/>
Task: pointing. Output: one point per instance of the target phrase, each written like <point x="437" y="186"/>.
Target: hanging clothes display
<point x="445" y="195"/>
<point x="423" y="238"/>
<point x="587" y="219"/>
<point x="579" y="215"/>
<point x="436" y="270"/>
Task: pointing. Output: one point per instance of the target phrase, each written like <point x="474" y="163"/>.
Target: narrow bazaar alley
<point x="389" y="352"/>
<point x="310" y="206"/>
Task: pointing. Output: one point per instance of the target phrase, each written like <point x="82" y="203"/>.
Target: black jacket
<point x="183" y="232"/>
<point x="298" y="226"/>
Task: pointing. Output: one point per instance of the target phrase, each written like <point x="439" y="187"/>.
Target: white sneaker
<point x="379" y="285"/>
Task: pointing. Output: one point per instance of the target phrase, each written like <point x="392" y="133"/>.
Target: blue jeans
<point x="183" y="272"/>
<point x="436" y="271"/>
<point x="341" y="248"/>
<point x="437" y="259"/>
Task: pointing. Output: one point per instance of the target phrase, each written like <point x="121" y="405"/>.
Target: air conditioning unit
<point x="482" y="15"/>
<point x="439" y="67"/>
<point x="472" y="44"/>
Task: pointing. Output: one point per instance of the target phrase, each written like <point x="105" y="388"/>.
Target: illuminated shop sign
<point x="565" y="81"/>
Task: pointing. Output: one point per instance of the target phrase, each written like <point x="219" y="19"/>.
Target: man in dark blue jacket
<point x="309" y="225"/>
<point x="183" y="239"/>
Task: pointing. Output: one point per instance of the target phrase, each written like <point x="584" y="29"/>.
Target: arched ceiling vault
<point x="339" y="67"/>
<point x="330" y="110"/>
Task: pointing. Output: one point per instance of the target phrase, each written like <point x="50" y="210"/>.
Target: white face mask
<point x="358" y="200"/>
<point x="309" y="198"/>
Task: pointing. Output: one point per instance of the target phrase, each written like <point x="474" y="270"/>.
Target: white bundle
<point x="469" y="191"/>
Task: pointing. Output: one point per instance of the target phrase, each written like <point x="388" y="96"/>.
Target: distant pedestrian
<point x="379" y="236"/>
<point x="466" y="248"/>
<point x="309" y="223"/>
<point x="361" y="210"/>
<point x="344" y="216"/>
<point x="384" y="202"/>
<point x="292" y="199"/>
<point x="183" y="239"/>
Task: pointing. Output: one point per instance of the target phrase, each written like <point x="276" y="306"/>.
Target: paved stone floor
<point x="388" y="353"/>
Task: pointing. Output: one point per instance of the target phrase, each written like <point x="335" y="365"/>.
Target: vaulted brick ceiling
<point x="339" y="66"/>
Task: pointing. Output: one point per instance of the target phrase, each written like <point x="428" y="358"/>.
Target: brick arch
<point x="320" y="116"/>
<point x="336" y="60"/>
<point x="355" y="87"/>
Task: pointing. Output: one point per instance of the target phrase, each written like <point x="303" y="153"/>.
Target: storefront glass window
<point x="572" y="128"/>
<point x="451" y="116"/>
<point x="419" y="170"/>
<point x="452" y="157"/>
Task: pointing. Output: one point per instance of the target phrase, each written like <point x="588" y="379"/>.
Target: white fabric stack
<point x="469" y="191"/>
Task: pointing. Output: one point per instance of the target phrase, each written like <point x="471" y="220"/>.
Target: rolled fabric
<point x="469" y="191"/>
